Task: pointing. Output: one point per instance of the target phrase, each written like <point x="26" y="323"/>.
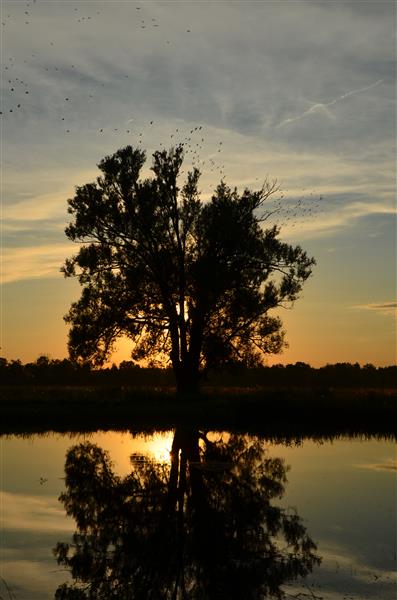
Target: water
<point x="236" y="508"/>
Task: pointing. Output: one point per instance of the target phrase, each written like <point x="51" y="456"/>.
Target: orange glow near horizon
<point x="317" y="333"/>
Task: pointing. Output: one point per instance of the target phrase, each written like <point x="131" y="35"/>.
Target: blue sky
<point x="298" y="91"/>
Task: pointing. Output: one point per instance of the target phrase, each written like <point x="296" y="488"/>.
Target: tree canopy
<point x="183" y="278"/>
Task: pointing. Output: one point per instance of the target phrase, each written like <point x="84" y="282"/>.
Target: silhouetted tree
<point x="203" y="527"/>
<point x="187" y="279"/>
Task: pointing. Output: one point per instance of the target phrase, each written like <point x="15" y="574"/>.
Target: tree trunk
<point x="187" y="381"/>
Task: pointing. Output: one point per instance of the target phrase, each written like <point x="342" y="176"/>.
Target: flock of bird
<point x="192" y="139"/>
<point x="11" y="64"/>
<point x="192" y="146"/>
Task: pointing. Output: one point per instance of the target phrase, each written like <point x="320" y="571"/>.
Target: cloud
<point x="32" y="579"/>
<point x="389" y="464"/>
<point x="244" y="74"/>
<point x="334" y="216"/>
<point x="36" y="209"/>
<point x="33" y="513"/>
<point x="323" y="108"/>
<point x="35" y="261"/>
<point x="234" y="68"/>
<point x="344" y="574"/>
<point x="35" y="245"/>
<point x="22" y="234"/>
<point x="383" y="308"/>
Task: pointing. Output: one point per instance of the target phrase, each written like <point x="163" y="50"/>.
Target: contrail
<point x="320" y="105"/>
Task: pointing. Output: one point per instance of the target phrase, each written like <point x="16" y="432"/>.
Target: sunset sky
<point x="298" y="91"/>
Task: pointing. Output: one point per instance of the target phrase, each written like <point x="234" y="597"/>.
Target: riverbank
<point x="266" y="411"/>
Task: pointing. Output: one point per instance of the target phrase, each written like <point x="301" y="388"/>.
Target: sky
<point x="299" y="91"/>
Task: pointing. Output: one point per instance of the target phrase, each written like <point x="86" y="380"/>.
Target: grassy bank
<point x="267" y="411"/>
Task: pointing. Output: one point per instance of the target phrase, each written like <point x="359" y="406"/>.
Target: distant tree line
<point x="46" y="371"/>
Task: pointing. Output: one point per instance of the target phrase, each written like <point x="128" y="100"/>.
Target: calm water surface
<point x="231" y="500"/>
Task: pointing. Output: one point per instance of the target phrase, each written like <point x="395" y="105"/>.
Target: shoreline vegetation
<point x="292" y="400"/>
<point x="47" y="371"/>
<point x="287" y="412"/>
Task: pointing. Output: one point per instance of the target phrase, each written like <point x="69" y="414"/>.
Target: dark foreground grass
<point x="282" y="412"/>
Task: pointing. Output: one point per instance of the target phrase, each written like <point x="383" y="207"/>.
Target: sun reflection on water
<point x="156" y="447"/>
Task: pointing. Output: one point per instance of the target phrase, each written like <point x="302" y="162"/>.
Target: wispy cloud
<point x="343" y="570"/>
<point x="36" y="209"/>
<point x="33" y="513"/>
<point x="31" y="578"/>
<point x="333" y="219"/>
<point x="321" y="107"/>
<point x="32" y="262"/>
<point x="389" y="464"/>
<point x="383" y="308"/>
<point x="27" y="257"/>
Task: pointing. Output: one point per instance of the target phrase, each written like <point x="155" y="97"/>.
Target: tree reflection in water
<point x="203" y="527"/>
